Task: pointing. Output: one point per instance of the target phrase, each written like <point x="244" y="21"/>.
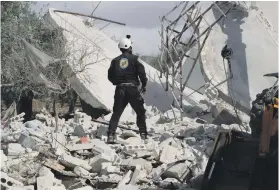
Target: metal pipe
<point x="90" y="16"/>
<point x="210" y="26"/>
<point x="195" y="20"/>
<point x="184" y="13"/>
<point x="191" y="38"/>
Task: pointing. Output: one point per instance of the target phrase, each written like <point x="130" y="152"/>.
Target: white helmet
<point x="125" y="43"/>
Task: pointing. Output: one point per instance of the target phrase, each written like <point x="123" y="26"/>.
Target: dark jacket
<point x="127" y="69"/>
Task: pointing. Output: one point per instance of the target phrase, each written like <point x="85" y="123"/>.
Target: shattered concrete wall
<point x="251" y="30"/>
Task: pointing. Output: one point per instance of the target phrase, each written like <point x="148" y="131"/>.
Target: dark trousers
<point x="123" y="96"/>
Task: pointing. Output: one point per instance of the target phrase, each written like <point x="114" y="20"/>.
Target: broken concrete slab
<point x="78" y="130"/>
<point x="126" y="134"/>
<point x="143" y="154"/>
<point x="190" y="140"/>
<point x="101" y="147"/>
<point x="15" y="149"/>
<point x="178" y="171"/>
<point x="169" y="142"/>
<point x="126" y="178"/>
<point x="111" y="178"/>
<point x="102" y="131"/>
<point x="23" y="158"/>
<point x="199" y="131"/>
<point x="135" y="175"/>
<point x="44" y="171"/>
<point x="201" y="121"/>
<point x="48" y="182"/>
<point x="80" y="171"/>
<point x="108" y="168"/>
<point x="223" y="115"/>
<point x="116" y="161"/>
<point x="72" y="162"/>
<point x="26" y="141"/>
<point x="58" y="141"/>
<point x="96" y="162"/>
<point x="134" y="162"/>
<point x="53" y="164"/>
<point x="165" y="136"/>
<point x="76" y="147"/>
<point x="134" y="140"/>
<point x="169" y="154"/>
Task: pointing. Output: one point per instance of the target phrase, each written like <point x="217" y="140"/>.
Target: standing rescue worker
<point x="125" y="72"/>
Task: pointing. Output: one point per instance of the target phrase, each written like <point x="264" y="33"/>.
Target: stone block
<point x="72" y="162"/>
<point x="134" y="147"/>
<point x="126" y="178"/>
<point x="96" y="162"/>
<point x="201" y="121"/>
<point x="223" y="115"/>
<point x="178" y="171"/>
<point x="135" y="175"/>
<point x="127" y="133"/>
<point x="102" y="131"/>
<point x="26" y="141"/>
<point x="115" y="146"/>
<point x="101" y="147"/>
<point x="111" y="178"/>
<point x="15" y="149"/>
<point x="59" y="141"/>
<point x="133" y="140"/>
<point x="169" y="154"/>
<point x="143" y="154"/>
<point x="44" y="171"/>
<point x="165" y="136"/>
<point x="108" y="168"/>
<point x="116" y="161"/>
<point x="83" y="119"/>
<point x="134" y="162"/>
<point x="199" y="131"/>
<point x="79" y="131"/>
<point x="155" y="154"/>
<point x="48" y="182"/>
<point x="169" y="142"/>
<point x="76" y="147"/>
<point x="190" y="140"/>
<point x="8" y="182"/>
<point x="81" y="172"/>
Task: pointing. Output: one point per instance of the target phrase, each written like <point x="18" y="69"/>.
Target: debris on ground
<point x="35" y="155"/>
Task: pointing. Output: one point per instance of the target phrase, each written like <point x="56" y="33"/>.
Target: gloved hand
<point x="143" y="90"/>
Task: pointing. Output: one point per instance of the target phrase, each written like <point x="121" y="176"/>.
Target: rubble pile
<point x="41" y="154"/>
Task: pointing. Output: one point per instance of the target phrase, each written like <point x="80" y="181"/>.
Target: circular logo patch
<point x="124" y="63"/>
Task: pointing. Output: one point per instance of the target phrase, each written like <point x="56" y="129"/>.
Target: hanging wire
<point x="226" y="53"/>
<point x="94" y="11"/>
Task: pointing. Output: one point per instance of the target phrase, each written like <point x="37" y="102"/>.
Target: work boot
<point x="143" y="136"/>
<point x="111" y="138"/>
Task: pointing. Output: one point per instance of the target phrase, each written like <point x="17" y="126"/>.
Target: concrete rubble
<point x="35" y="155"/>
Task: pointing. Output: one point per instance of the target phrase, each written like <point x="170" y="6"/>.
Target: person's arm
<point x="111" y="72"/>
<point x="141" y="73"/>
